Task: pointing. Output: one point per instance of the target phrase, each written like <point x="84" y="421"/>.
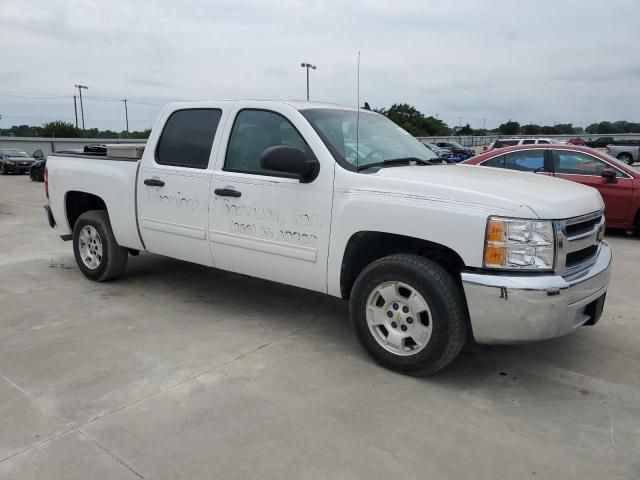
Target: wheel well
<point x="366" y="247"/>
<point x="76" y="203"/>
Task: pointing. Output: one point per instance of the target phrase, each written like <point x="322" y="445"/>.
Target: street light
<point x="308" y="66"/>
<point x="80" y="87"/>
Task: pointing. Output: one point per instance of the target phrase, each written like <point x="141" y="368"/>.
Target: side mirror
<point x="281" y="158"/>
<point x="609" y="174"/>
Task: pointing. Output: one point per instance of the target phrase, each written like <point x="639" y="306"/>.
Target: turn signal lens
<point x="495" y="256"/>
<point x="496" y="230"/>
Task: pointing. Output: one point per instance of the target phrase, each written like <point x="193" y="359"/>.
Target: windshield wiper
<point x="395" y="161"/>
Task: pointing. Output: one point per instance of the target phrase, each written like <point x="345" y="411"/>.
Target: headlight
<point x="517" y="244"/>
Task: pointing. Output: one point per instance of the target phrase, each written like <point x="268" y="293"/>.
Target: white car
<point x="511" y="142"/>
<point x="427" y="255"/>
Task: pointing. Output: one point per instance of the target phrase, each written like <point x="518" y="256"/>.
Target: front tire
<point x="409" y="314"/>
<point x="626" y="158"/>
<point x="97" y="253"/>
<point x="3" y="170"/>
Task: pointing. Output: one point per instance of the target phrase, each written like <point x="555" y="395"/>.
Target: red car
<point x="617" y="182"/>
<point x="577" y="141"/>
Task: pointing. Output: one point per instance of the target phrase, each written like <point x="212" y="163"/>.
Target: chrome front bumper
<point x="515" y="308"/>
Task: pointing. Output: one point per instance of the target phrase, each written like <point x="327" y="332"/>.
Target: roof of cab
<point x="297" y="104"/>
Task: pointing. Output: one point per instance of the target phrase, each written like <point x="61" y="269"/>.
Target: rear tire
<point x="421" y="325"/>
<point x="3" y="170"/>
<point x="97" y="253"/>
<point x="626" y="158"/>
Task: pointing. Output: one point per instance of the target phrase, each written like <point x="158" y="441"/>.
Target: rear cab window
<point x="187" y="138"/>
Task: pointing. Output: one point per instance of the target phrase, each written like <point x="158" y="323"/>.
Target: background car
<point x="36" y="171"/>
<point x="14" y="160"/>
<point x="628" y="154"/>
<point x="577" y="141"/>
<point x="618" y="183"/>
<point x="443" y="152"/>
<point x="457" y="149"/>
<point x="512" y="142"/>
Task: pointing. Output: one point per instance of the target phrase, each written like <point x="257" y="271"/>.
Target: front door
<point x="584" y="168"/>
<point x="173" y="186"/>
<point x="263" y="224"/>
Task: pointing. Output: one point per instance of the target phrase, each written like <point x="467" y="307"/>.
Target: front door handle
<point x="227" y="192"/>
<point x="154" y="182"/>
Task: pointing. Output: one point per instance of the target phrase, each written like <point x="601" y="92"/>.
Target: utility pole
<point x="484" y="124"/>
<point x="460" y="122"/>
<point x="80" y="87"/>
<point x="126" y="114"/>
<point x="308" y="66"/>
<point x="75" y="109"/>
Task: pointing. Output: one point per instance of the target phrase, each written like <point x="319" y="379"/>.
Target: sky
<point x="468" y="61"/>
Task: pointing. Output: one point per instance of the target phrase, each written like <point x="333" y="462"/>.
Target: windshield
<point x="378" y="139"/>
<point x="14" y="153"/>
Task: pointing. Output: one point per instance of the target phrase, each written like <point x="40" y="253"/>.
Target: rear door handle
<point x="227" y="192"/>
<point x="154" y="182"/>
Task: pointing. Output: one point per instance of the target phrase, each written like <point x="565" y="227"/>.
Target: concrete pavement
<point x="178" y="371"/>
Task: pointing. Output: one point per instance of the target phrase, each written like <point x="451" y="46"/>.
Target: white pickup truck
<point x="347" y="203"/>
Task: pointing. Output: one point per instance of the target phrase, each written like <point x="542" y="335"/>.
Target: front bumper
<point x="516" y="308"/>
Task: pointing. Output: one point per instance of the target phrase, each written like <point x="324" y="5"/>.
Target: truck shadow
<point x="293" y="309"/>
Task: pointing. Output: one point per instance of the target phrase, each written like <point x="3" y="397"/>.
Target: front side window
<point x="253" y="132"/>
<point x="525" y="160"/>
<point x="187" y="138"/>
<point x="372" y="138"/>
<point x="528" y="142"/>
<point x="577" y="163"/>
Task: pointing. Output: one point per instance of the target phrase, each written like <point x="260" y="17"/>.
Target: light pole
<point x="80" y="87"/>
<point x="75" y="109"/>
<point x="308" y="66"/>
<point x="126" y="113"/>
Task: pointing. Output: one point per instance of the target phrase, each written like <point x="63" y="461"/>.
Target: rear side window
<point x="544" y="141"/>
<point x="528" y="142"/>
<point x="497" y="162"/>
<point x="253" y="132"/>
<point x="187" y="138"/>
<point x="525" y="160"/>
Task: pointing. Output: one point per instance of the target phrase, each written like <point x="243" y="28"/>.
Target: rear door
<point x="584" y="168"/>
<point x="173" y="183"/>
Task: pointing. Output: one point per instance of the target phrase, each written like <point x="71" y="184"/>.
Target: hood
<point x="543" y="196"/>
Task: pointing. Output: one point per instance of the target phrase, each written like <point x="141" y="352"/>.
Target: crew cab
<point x="347" y="203"/>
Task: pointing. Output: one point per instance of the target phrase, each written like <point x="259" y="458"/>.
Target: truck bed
<point x="113" y="179"/>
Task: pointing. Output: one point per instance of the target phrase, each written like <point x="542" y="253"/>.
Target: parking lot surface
<point x="179" y="371"/>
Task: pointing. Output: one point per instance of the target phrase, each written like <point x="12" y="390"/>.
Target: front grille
<point x="578" y="242"/>
<point x="583" y="227"/>
<point x="581" y="256"/>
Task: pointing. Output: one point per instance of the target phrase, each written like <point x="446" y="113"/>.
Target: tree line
<point x="403" y="114"/>
<point x="60" y="129"/>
